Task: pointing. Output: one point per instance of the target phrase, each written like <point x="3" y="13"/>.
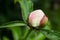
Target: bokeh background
<point x="11" y="12"/>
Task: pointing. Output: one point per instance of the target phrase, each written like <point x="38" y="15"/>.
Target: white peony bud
<point x="37" y="18"/>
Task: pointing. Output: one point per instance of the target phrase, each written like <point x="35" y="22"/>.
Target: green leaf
<point x="13" y="24"/>
<point x="27" y="34"/>
<point x="16" y="31"/>
<point x="47" y="26"/>
<point x="50" y="34"/>
<point x="19" y="33"/>
<point x="26" y="8"/>
<point x="35" y="35"/>
<point x="24" y="31"/>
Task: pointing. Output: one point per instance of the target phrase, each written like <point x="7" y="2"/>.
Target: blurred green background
<point x="12" y="12"/>
<point x="51" y="9"/>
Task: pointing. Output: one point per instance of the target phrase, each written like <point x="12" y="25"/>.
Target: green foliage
<point x="50" y="34"/>
<point x="17" y="24"/>
<point x="12" y="24"/>
<point x="26" y="8"/>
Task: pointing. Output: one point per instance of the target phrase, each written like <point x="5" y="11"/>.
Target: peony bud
<point x="37" y="18"/>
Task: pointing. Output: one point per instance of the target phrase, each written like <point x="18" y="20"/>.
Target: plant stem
<point x="28" y="34"/>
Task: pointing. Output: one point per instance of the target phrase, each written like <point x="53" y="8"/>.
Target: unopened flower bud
<point x="37" y="18"/>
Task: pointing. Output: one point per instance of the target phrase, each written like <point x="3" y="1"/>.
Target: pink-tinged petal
<point x="36" y="18"/>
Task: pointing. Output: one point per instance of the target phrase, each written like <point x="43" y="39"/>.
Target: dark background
<point x="11" y="12"/>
